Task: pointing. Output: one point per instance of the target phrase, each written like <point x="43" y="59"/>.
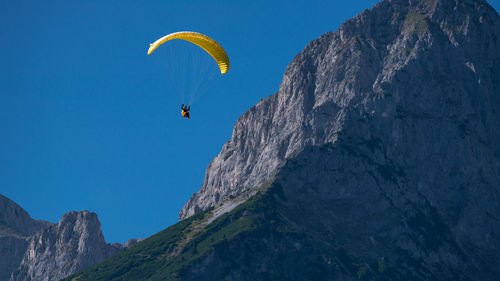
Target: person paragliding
<point x="185" y="111"/>
<point x="206" y="43"/>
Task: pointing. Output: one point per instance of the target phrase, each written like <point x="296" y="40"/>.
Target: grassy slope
<point x="255" y="241"/>
<point x="163" y="256"/>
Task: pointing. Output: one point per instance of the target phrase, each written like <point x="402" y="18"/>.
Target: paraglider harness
<point x="185" y="111"/>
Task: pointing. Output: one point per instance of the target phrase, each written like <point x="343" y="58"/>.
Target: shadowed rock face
<point x="342" y="212"/>
<point x="15" y="227"/>
<point x="355" y="197"/>
<point x="418" y="77"/>
<point x="15" y="221"/>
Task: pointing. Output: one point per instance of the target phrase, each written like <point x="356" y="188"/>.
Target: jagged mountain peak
<point x="370" y="68"/>
<point x="40" y="250"/>
<point x="81" y="222"/>
<point x="74" y="243"/>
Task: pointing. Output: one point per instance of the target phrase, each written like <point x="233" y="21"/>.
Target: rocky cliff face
<point x="76" y="242"/>
<point x="38" y="250"/>
<point x="342" y="212"/>
<point x="390" y="127"/>
<point x="419" y="77"/>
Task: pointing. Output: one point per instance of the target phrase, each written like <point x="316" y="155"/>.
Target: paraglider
<point x="185" y="111"/>
<point x="206" y="43"/>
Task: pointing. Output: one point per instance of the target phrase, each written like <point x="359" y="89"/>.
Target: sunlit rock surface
<point x="75" y="243"/>
<point x="407" y="98"/>
<point x="34" y="250"/>
<point x="420" y="76"/>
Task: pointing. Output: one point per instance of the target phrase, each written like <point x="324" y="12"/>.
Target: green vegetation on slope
<point x="140" y="261"/>
<point x="255" y="241"/>
<point x="164" y="255"/>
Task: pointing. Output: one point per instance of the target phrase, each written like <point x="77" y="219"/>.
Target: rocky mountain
<point x="15" y="221"/>
<point x="377" y="159"/>
<point x="297" y="227"/>
<point x="39" y="250"/>
<point x="432" y="65"/>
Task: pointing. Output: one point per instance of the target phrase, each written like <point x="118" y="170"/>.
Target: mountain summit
<point x="377" y="159"/>
<point x="414" y="74"/>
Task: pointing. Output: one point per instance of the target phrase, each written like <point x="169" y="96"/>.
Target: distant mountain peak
<point x="14" y="220"/>
<point x="74" y="243"/>
<point x="43" y="251"/>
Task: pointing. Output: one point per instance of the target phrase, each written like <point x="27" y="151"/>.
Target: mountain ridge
<point x="14" y="220"/>
<point x="336" y="72"/>
<point x="377" y="159"/>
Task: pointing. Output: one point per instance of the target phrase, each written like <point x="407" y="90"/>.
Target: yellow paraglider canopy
<point x="206" y="43"/>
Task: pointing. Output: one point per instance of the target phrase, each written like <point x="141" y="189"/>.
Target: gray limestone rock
<point x="76" y="242"/>
<point x="39" y="250"/>
<point x="383" y="140"/>
<point x="420" y="77"/>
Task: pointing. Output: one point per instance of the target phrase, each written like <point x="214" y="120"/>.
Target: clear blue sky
<point x="89" y="121"/>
